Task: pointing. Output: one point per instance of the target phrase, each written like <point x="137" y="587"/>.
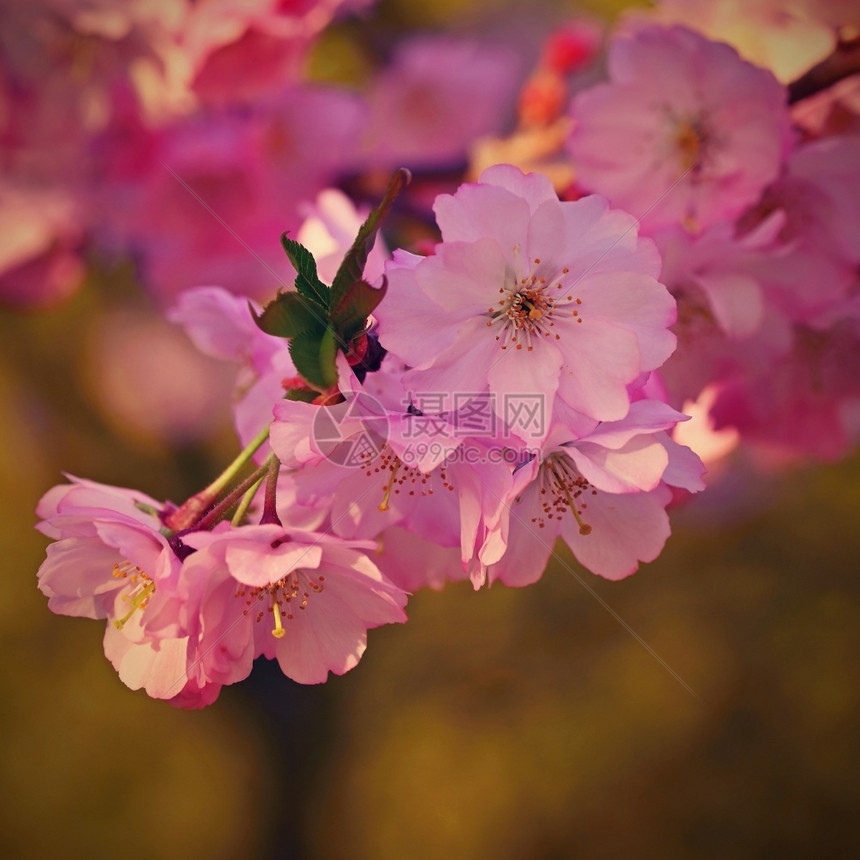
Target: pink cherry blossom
<point x="684" y="132"/>
<point x="706" y="356"/>
<point x="422" y="473"/>
<point x="108" y="547"/>
<point x="710" y="275"/>
<point x="792" y="266"/>
<point x="302" y="598"/>
<point x="110" y="560"/>
<point x="529" y="294"/>
<point x="827" y="172"/>
<point x="411" y="562"/>
<point x="220" y="324"/>
<point x="368" y="462"/>
<point x="159" y="666"/>
<point x="604" y="493"/>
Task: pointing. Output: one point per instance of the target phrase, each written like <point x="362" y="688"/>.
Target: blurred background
<point x="499" y="724"/>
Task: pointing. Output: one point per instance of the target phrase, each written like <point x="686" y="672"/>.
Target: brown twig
<point x="843" y="62"/>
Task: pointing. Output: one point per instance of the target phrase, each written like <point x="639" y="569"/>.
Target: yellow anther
<point x="279" y="631"/>
<point x="383" y="505"/>
<point x="584" y="527"/>
<point x="138" y="599"/>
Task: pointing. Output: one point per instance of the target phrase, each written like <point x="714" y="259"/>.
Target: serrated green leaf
<point x="303" y="395"/>
<point x="314" y="358"/>
<point x="307" y="280"/>
<point x="291" y="315"/>
<point x="357" y="304"/>
<point x="328" y="355"/>
<point x="352" y="268"/>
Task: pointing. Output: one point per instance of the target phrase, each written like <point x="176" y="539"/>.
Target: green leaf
<point x="303" y="395"/>
<point x="307" y="280"/>
<point x="328" y="354"/>
<point x="291" y="315"/>
<point x="357" y="304"/>
<point x="352" y="267"/>
<point x="314" y="356"/>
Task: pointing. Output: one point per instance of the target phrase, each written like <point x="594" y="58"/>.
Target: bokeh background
<point x="499" y="724"/>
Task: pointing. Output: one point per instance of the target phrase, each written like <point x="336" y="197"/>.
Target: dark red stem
<point x="843" y="62"/>
<point x="232" y="498"/>
<point x="270" y="512"/>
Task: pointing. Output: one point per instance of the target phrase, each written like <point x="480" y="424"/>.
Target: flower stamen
<point x="383" y="505"/>
<point x="139" y="596"/>
<point x="279" y="631"/>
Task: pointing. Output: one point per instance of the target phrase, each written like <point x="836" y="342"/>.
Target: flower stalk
<point x="190" y="511"/>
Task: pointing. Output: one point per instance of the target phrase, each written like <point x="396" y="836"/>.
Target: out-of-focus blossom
<point x="40" y="262"/>
<point x="529" y="294"/>
<point x="536" y="149"/>
<point x="211" y="204"/>
<point x="803" y="404"/>
<point x="710" y="275"/>
<point x="833" y="111"/>
<point x="787" y="38"/>
<point x="544" y="96"/>
<point x="745" y="291"/>
<point x="705" y="355"/>
<point x="330" y="226"/>
<point x="434" y="99"/>
<point x="151" y="383"/>
<point x="699" y="434"/>
<point x="220" y="325"/>
<point x="572" y="47"/>
<point x="67" y="57"/>
<point x="684" y="132"/>
<point x="538" y="143"/>
<point x="245" y="50"/>
<point x="813" y="265"/>
<point x="829" y="168"/>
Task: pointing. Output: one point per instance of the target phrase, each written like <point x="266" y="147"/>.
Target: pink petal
<point x="626" y="528"/>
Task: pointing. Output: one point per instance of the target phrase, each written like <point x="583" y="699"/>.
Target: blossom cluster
<point x="515" y="371"/>
<point x="750" y="200"/>
<point x="498" y="398"/>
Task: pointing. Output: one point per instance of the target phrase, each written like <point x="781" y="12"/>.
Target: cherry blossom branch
<point x="188" y="512"/>
<point x="234" y="496"/>
<point x="242" y="509"/>
<point x="843" y="62"/>
<point x="270" y="512"/>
